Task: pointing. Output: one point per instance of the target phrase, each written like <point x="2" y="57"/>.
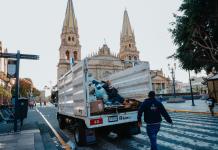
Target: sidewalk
<point x="27" y="139"/>
<point x="200" y="107"/>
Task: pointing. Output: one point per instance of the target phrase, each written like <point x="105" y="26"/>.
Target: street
<point x="189" y="132"/>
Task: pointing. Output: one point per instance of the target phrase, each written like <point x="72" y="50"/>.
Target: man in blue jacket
<point x="153" y="110"/>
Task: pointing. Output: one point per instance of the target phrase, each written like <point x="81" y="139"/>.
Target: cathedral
<point x="70" y="48"/>
<point x="103" y="63"/>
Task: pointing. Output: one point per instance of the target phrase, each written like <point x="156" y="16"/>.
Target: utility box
<point x="22" y="108"/>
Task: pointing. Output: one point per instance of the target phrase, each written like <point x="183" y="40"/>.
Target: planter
<point x="176" y="100"/>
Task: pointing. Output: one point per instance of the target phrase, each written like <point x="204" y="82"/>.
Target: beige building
<point x="70" y="48"/>
<point x="103" y="63"/>
<point x="128" y="51"/>
<point x="160" y="83"/>
<point x="3" y="67"/>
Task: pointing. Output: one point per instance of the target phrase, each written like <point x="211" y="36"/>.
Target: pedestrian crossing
<point x="190" y="131"/>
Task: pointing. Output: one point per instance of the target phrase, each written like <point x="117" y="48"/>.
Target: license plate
<point x="112" y="118"/>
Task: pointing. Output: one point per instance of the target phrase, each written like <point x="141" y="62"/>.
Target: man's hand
<point x="139" y="124"/>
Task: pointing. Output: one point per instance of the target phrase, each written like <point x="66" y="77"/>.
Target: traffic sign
<point x="22" y="56"/>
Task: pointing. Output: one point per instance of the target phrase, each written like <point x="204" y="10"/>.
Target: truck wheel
<point x="61" y="123"/>
<point x="79" y="135"/>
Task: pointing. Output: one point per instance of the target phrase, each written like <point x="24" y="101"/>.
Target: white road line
<point x="189" y="141"/>
<point x="192" y="134"/>
<point x="195" y="129"/>
<point x="196" y="123"/>
<point x="65" y="145"/>
<point x="164" y="143"/>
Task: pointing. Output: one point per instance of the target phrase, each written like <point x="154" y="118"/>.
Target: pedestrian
<point x="211" y="104"/>
<point x="153" y="110"/>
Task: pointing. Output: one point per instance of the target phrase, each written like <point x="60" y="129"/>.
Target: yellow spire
<point x="70" y="22"/>
<point x="126" y="30"/>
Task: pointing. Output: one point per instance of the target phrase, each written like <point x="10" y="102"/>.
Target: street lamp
<point x="172" y="69"/>
<point x="190" y="82"/>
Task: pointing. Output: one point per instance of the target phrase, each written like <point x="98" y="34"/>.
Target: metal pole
<point x="193" y="104"/>
<point x="17" y="91"/>
<point x="174" y="86"/>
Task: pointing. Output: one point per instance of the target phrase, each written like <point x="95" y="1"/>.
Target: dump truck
<point x="88" y="117"/>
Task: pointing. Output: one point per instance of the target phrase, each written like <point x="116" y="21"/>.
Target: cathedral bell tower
<point x="70" y="48"/>
<point x="128" y="51"/>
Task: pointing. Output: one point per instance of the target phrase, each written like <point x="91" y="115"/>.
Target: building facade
<point x="3" y="67"/>
<point x="128" y="51"/>
<point x="160" y="83"/>
<point x="104" y="63"/>
<point x="70" y="49"/>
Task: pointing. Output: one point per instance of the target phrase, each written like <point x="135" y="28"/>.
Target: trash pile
<point x="103" y="96"/>
<point x="105" y="91"/>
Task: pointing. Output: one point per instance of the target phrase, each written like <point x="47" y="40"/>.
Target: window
<point x="75" y="55"/>
<point x="72" y="38"/>
<point x="67" y="55"/>
<point x="135" y="58"/>
<point x="129" y="57"/>
<point x="69" y="38"/>
<point x="129" y="45"/>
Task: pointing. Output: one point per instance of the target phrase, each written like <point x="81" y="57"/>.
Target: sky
<point x="34" y="27"/>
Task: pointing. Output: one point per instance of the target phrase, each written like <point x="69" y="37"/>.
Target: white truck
<point x="75" y="104"/>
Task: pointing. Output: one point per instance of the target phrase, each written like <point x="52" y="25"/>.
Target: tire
<point x="61" y="123"/>
<point x="79" y="135"/>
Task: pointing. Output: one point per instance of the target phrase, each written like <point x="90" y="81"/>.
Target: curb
<point x="195" y="112"/>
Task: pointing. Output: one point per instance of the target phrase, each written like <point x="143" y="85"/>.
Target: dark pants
<point x="152" y="130"/>
<point x="211" y="111"/>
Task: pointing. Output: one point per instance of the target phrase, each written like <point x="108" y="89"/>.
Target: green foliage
<point x="195" y="33"/>
<point x="25" y="88"/>
<point x="5" y="93"/>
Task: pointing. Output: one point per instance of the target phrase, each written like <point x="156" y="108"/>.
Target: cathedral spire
<point x="126" y="29"/>
<point x="70" y="22"/>
<point x="128" y="50"/>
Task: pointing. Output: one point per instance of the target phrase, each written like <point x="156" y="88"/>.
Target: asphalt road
<point x="190" y="132"/>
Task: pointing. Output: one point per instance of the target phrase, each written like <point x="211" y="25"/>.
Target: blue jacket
<point x="153" y="110"/>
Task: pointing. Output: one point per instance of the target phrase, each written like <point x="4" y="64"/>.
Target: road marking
<point x="65" y="145"/>
<point x="189" y="111"/>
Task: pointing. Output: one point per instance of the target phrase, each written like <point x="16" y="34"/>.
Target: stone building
<point x="70" y="49"/>
<point x="160" y="83"/>
<point x="3" y="67"/>
<point x="103" y="62"/>
<point x="128" y="51"/>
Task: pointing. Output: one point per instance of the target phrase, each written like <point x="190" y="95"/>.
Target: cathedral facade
<point x="103" y="63"/>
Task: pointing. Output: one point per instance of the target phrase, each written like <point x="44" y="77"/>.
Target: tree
<point x="26" y="85"/>
<point x="195" y="32"/>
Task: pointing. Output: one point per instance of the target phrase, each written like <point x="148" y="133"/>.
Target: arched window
<point x="69" y="38"/>
<point x="129" y="45"/>
<point x="75" y="55"/>
<point x="67" y="55"/>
